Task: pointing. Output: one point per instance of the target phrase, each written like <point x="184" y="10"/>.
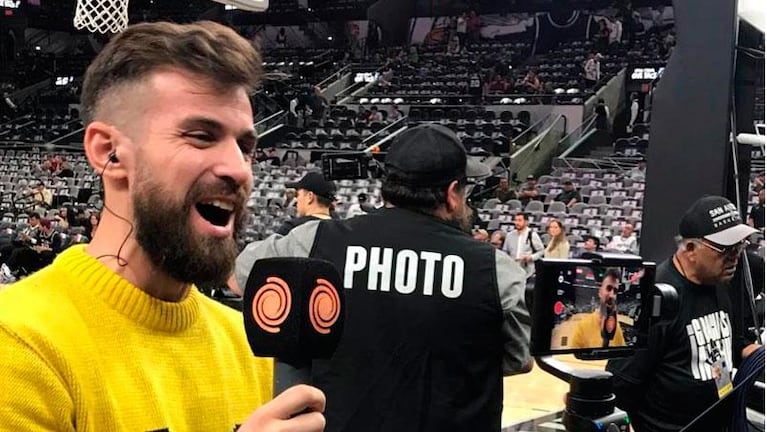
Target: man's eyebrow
<point x="216" y="126"/>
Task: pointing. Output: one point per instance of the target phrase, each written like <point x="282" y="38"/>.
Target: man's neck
<point x="115" y="246"/>
<point x="520" y="230"/>
<point x="685" y="269"/>
<point x="317" y="211"/>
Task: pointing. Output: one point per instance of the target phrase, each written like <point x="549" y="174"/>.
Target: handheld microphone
<point x="609" y="324"/>
<point x="294" y="312"/>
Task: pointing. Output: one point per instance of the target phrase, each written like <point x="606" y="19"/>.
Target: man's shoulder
<point x="42" y="304"/>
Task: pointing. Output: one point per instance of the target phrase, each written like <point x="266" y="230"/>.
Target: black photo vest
<point x="422" y="345"/>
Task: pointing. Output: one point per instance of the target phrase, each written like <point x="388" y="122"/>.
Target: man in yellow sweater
<point x="600" y="328"/>
<point x="113" y="336"/>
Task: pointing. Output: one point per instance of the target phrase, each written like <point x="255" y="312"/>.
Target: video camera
<point x="351" y="166"/>
<point x="598" y="307"/>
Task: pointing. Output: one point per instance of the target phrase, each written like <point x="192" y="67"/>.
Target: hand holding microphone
<point x="297" y="409"/>
<point x="293" y="312"/>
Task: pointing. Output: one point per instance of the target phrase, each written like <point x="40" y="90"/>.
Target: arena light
<point x="246" y="5"/>
<point x="399" y="101"/>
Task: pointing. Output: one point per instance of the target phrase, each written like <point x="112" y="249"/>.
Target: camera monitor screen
<point x="581" y="307"/>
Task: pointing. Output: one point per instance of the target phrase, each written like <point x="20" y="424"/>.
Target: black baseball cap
<point x="432" y="155"/>
<point x="715" y="219"/>
<point x="315" y="182"/>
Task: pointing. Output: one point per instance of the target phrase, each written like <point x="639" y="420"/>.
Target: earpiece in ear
<point x="689" y="246"/>
<point x="113" y="157"/>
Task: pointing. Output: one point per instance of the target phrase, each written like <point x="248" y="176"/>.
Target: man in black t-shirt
<point x="569" y="195"/>
<point x="314" y="197"/>
<point x="686" y="366"/>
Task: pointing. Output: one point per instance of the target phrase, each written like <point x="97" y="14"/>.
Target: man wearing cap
<point x="687" y="364"/>
<point x="435" y="319"/>
<point x="314" y="197"/>
<point x="528" y="191"/>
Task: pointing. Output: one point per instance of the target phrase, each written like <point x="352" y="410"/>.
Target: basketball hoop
<point x="101" y="16"/>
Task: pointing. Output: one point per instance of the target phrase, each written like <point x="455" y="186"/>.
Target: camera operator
<point x="600" y="328"/>
<point x="435" y="318"/>
<point x="688" y="360"/>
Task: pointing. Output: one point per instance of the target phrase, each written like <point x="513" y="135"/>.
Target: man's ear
<point x="101" y="149"/>
<point x="455" y="197"/>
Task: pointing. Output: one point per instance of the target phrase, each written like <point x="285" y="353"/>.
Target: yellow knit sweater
<point x="82" y="349"/>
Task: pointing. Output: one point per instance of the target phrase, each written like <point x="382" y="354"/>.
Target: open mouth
<point x="216" y="212"/>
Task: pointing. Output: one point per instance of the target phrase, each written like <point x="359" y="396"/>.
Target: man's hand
<point x="527" y="259"/>
<point x="297" y="409"/>
<point x="748" y="350"/>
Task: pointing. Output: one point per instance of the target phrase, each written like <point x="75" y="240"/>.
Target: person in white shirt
<point x="626" y="242"/>
<point x="591" y="69"/>
<point x="523" y="244"/>
<point x="634" y="111"/>
<point x="638" y="172"/>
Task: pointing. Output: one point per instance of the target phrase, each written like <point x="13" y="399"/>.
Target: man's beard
<point x="164" y="232"/>
<point x="463" y="218"/>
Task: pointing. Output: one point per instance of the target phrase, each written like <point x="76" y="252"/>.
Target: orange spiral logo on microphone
<point x="324" y="306"/>
<point x="271" y="304"/>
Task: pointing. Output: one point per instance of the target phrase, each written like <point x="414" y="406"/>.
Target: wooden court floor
<point x="537" y="393"/>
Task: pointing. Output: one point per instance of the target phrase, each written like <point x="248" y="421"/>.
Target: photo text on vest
<point x="404" y="270"/>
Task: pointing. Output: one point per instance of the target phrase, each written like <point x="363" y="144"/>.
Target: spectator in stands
<point x="374" y="115"/>
<point x="569" y="195"/>
<point x="480" y="235"/>
<point x="591" y="70"/>
<point x="395" y="113"/>
<point x="559" y="246"/>
<point x="25" y="238"/>
<point x="633" y="112"/>
<point x="602" y="36"/>
<point x="461" y="30"/>
<point x="590" y="245"/>
<point x="616" y="31"/>
<point x="497" y="238"/>
<point x="529" y="191"/>
<point x="498" y="84"/>
<point x="290" y="198"/>
<point x="356" y="208"/>
<point x="532" y="83"/>
<point x="65" y="169"/>
<point x="282" y="38"/>
<point x="473" y="26"/>
<point x="62" y="218"/>
<point x="503" y="192"/>
<point x="639" y="171"/>
<point x="93" y="223"/>
<point x="42" y="196"/>
<point x="268" y="155"/>
<point x="626" y="242"/>
<point x="386" y="77"/>
<point x="412" y="56"/>
<point x="756" y="215"/>
<point x="602" y="111"/>
<point x="523" y="244"/>
<point x="314" y="198"/>
<point x="758" y="183"/>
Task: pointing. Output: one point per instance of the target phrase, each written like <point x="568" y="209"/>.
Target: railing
<point x="609" y="163"/>
<point x="334" y="76"/>
<point x="524" y="137"/>
<point x="263" y="124"/>
<point x="573" y="140"/>
<point x="535" y="157"/>
<point x="373" y="139"/>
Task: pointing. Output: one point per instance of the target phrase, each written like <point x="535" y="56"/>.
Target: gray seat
<point x="557" y="207"/>
<point x="534" y="207"/>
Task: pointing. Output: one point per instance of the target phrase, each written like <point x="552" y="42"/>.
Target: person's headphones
<point x="113" y="158"/>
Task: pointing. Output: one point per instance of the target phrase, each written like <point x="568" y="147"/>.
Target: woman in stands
<point x="559" y="246"/>
<point x="93" y="221"/>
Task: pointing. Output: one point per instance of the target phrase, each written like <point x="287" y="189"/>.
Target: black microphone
<point x="609" y="324"/>
<point x="293" y="311"/>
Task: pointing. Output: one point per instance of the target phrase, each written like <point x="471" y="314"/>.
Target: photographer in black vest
<point x="434" y="318"/>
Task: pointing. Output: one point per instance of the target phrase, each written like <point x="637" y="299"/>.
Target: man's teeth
<point x="220" y="204"/>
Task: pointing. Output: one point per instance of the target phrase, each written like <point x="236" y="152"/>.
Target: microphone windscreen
<point x="293" y="309"/>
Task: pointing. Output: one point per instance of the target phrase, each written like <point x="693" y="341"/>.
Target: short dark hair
<point x="398" y="191"/>
<point x="614" y="273"/>
<point x="34" y="215"/>
<point x="594" y="239"/>
<point x="523" y="214"/>
<point x="567" y="183"/>
<point x="323" y="200"/>
<point x="208" y="49"/>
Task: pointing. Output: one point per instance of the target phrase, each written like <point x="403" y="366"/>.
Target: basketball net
<point x="101" y="16"/>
